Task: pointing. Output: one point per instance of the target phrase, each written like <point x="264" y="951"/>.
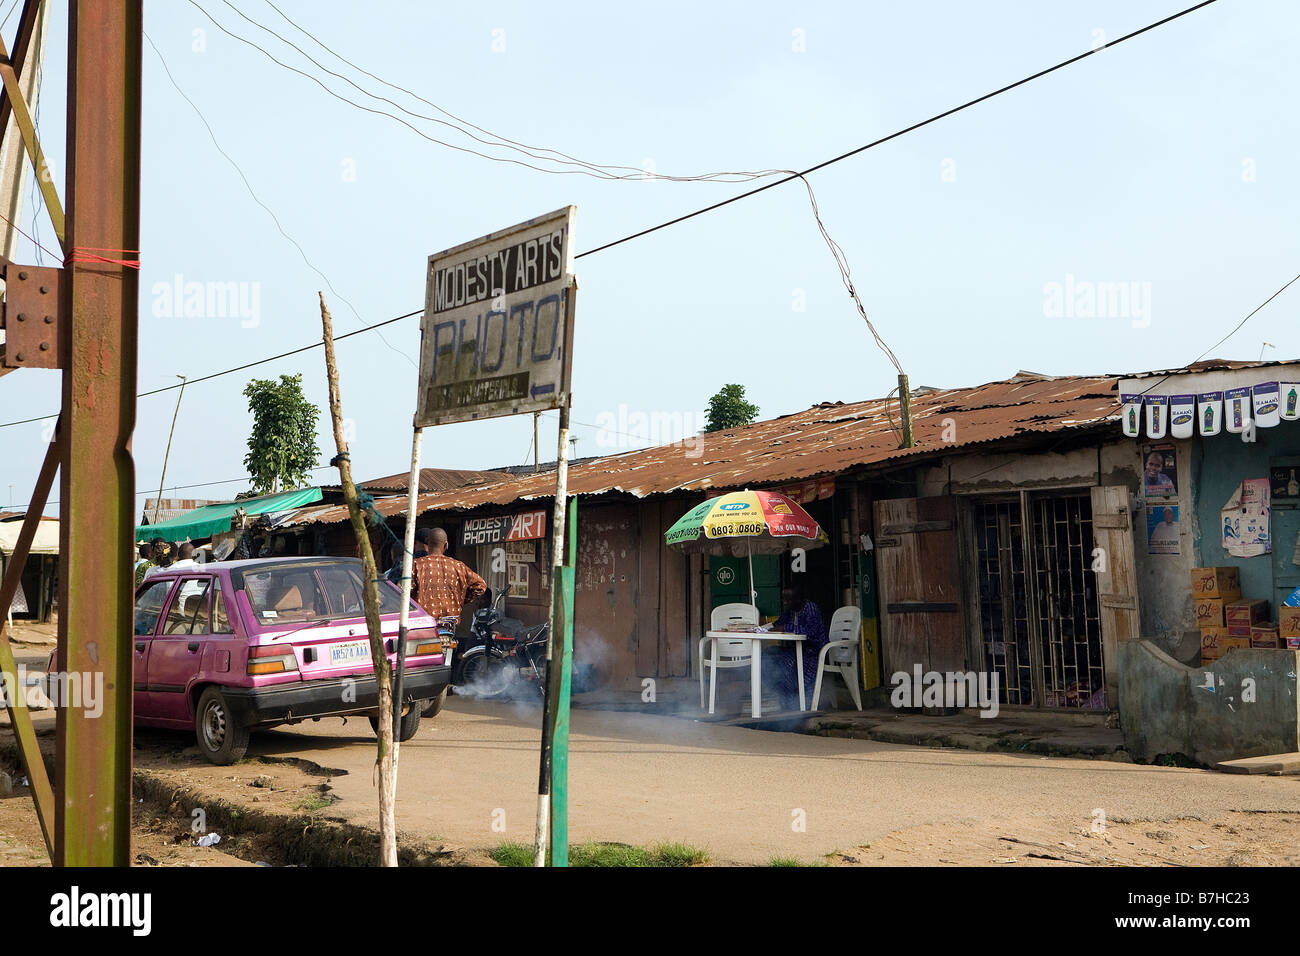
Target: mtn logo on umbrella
<point x="734" y="506"/>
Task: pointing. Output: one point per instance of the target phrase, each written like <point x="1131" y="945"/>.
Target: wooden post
<point x="387" y="757"/>
<point x="905" y="410"/>
<point x="157" y="505"/>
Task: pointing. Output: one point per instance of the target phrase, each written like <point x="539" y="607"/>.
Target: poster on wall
<point x="1284" y="481"/>
<point x="1159" y="471"/>
<point x="1245" y="519"/>
<point x="1162" y="529"/>
<point x="518" y="579"/>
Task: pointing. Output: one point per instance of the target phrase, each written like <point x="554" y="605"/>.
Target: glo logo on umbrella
<point x="734" y="506"/>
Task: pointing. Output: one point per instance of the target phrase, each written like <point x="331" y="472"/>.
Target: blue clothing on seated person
<point x="807" y="620"/>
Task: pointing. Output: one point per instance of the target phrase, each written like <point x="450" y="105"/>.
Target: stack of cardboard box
<point x="1228" y="621"/>
<point x="1248" y="622"/>
<point x="1212" y="590"/>
<point x="1288" y="625"/>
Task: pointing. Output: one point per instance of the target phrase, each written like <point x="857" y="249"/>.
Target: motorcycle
<point x="498" y="654"/>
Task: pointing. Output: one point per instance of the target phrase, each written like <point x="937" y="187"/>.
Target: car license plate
<point x="353" y="652"/>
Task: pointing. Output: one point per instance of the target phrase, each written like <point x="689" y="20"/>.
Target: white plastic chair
<point x="840" y="655"/>
<point x="725" y="652"/>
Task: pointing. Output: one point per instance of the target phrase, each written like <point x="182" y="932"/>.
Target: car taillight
<point x="422" y="642"/>
<point x="271" y="659"/>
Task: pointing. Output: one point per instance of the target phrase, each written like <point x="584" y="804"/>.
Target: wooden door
<point x="1116" y="570"/>
<point x="921" y="612"/>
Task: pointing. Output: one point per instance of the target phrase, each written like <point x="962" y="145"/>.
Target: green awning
<point x="214" y="519"/>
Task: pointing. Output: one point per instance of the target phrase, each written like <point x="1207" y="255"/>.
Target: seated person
<point x="798" y="616"/>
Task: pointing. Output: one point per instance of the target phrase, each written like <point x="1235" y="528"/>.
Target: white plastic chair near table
<point x="725" y="652"/>
<point x="840" y="655"/>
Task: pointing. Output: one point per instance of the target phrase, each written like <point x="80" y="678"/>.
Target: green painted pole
<point x="563" y="688"/>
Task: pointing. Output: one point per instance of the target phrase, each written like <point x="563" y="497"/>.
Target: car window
<point x="285" y="593"/>
<point x="188" y="613"/>
<point x="149" y="605"/>
<point x="301" y="591"/>
<point x="220" y="623"/>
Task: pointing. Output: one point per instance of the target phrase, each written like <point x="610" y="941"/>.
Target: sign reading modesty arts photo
<point x="497" y="333"/>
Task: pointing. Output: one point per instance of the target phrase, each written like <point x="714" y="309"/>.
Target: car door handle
<point x="193" y="646"/>
<point x="139" y="646"/>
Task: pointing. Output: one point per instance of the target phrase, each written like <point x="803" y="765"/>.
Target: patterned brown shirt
<point x="442" y="585"/>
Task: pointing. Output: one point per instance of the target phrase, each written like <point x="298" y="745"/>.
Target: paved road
<point x="644" y="779"/>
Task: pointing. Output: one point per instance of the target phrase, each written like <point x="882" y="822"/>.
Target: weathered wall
<point x="1164" y="593"/>
<point x="1223" y="463"/>
<point x="1205" y="712"/>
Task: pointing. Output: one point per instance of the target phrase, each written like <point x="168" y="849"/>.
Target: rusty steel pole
<point x="97" y="347"/>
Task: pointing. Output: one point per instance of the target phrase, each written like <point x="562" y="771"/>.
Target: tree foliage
<point x="728" y="409"/>
<point x="282" y="449"/>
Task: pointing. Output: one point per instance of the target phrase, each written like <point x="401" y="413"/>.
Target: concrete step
<point x="1270" y="764"/>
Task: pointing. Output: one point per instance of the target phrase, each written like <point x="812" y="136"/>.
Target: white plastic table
<point x="756" y="662"/>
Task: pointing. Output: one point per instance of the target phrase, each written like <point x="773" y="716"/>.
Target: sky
<point x="1161" y="170"/>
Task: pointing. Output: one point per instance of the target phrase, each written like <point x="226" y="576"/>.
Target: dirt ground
<point x="286" y="796"/>
<point x="304" y="796"/>
<point x="283" y="810"/>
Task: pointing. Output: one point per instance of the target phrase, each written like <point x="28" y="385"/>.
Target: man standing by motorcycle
<point x="442" y="584"/>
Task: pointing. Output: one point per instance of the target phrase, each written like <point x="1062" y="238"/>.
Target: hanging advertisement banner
<point x="1210" y="412"/>
<point x="1289" y="397"/>
<point x="1236" y="409"/>
<point x="1157" y="420"/>
<point x="1182" y="415"/>
<point x="1266" y="396"/>
<point x="1132" y="415"/>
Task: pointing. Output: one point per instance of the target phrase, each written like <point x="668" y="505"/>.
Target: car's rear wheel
<point x="220" y="737"/>
<point x="409" y="725"/>
<point x="434" y="706"/>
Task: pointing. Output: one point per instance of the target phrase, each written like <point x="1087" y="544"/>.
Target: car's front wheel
<point x="221" y="738"/>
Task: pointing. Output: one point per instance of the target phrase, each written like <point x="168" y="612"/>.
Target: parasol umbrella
<point x="762" y="521"/>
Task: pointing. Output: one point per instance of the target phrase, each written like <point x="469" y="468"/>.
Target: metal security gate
<point x="1005" y="629"/>
<point x="1040" y="626"/>
<point x="1069" y="621"/>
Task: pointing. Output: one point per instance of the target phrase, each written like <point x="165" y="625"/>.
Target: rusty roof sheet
<point x="433" y="479"/>
<point x="825" y="439"/>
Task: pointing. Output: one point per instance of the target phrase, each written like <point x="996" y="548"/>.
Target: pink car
<point x="225" y="647"/>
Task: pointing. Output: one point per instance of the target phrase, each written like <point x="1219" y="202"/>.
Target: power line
<point x="600" y="171"/>
<point x="683" y="218"/>
<point x="248" y="186"/>
<point x="237" y="368"/>
<point x="894" y="135"/>
<point x="1235" y="329"/>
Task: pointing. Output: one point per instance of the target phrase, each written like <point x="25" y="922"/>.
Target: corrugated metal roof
<point x="825" y="439"/>
<point x="432" y="479"/>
